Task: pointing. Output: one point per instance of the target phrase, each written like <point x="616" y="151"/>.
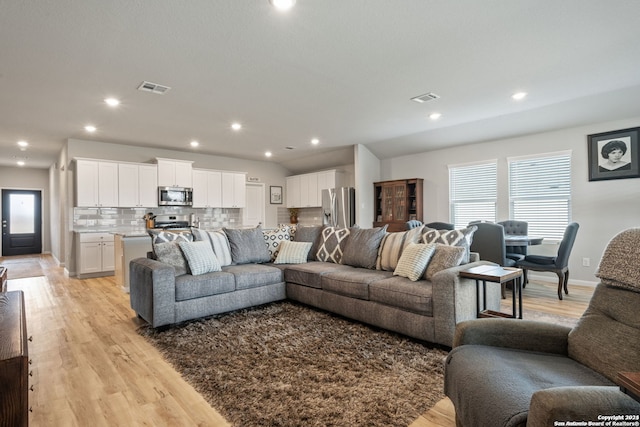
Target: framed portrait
<point x="275" y="195"/>
<point x="614" y="155"/>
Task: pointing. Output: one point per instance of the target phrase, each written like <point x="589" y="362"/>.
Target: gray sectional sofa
<point x="349" y="272"/>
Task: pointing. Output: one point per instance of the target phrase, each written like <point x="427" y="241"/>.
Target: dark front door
<point x="21" y="222"/>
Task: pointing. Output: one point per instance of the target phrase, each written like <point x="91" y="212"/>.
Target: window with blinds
<point x="540" y="193"/>
<point x="472" y="193"/>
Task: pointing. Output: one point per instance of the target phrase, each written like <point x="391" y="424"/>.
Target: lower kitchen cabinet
<point x="95" y="254"/>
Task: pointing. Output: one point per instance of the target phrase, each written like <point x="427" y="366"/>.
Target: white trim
<point x="479" y="162"/>
<point x="541" y="155"/>
<point x="554" y="279"/>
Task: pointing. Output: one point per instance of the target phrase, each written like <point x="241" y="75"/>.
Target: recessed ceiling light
<point x="194" y="143"/>
<point x="267" y="153"/>
<point x="435" y="116"/>
<point x="315" y="141"/>
<point x="90" y="128"/>
<point x="236" y="126"/>
<point x="23" y="143"/>
<point x="20" y="163"/>
<point x="519" y="95"/>
<point x="282" y="4"/>
<point x="112" y="102"/>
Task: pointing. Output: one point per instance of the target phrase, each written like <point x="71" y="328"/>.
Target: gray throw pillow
<point x="309" y="234"/>
<point x="170" y="253"/>
<point x="362" y="247"/>
<point x="247" y="245"/>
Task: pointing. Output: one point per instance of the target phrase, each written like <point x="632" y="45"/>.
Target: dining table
<point x="519" y="244"/>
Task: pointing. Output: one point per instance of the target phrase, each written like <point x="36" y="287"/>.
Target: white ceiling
<point x="339" y="70"/>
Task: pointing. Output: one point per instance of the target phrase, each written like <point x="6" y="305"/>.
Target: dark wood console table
<point x="500" y="275"/>
<point x="630" y="383"/>
<point x="14" y="363"/>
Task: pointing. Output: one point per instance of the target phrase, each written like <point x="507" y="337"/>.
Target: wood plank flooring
<point x="90" y="366"/>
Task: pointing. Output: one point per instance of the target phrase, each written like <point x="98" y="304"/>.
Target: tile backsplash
<point x="94" y="218"/>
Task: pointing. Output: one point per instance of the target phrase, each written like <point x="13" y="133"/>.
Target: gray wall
<point x="602" y="208"/>
<point x="367" y="172"/>
<point x="31" y="179"/>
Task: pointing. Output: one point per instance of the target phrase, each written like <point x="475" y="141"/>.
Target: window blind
<point x="540" y="193"/>
<point x="472" y="193"/>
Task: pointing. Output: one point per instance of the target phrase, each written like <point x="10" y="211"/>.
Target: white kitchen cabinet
<point x="293" y="191"/>
<point x="96" y="183"/>
<point x="95" y="254"/>
<point x="207" y="188"/>
<point x="137" y="185"/>
<point x="304" y="191"/>
<point x="233" y="190"/>
<point x="309" y="191"/>
<point x="175" y="173"/>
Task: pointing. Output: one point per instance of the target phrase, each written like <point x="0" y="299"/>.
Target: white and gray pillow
<point x="293" y="252"/>
<point x="273" y="239"/>
<point x="200" y="257"/>
<point x="462" y="238"/>
<point x="414" y="260"/>
<point x="332" y="244"/>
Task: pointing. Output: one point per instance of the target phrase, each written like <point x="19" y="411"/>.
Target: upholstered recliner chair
<point x="505" y="372"/>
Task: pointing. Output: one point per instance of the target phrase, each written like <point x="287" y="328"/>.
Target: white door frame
<point x="261" y="202"/>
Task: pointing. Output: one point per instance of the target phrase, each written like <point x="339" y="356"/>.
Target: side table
<point x="630" y="383"/>
<point x="500" y="275"/>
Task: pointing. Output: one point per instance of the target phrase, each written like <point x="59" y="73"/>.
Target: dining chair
<point x="414" y="223"/>
<point x="488" y="242"/>
<point x="441" y="225"/>
<point x="558" y="264"/>
<point x="516" y="228"/>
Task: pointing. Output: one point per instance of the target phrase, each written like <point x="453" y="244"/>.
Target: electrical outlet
<point x="586" y="262"/>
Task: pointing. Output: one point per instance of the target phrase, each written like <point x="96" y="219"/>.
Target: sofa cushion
<point x="249" y="276"/>
<point x="309" y="234"/>
<point x="247" y="245"/>
<point x="309" y="274"/>
<point x="361" y="249"/>
<point x="200" y="257"/>
<point x="273" y="239"/>
<point x="392" y="246"/>
<point x="403" y="293"/>
<point x="332" y="244"/>
<point x="190" y="287"/>
<point x="352" y="283"/>
<point x="170" y="253"/>
<point x="444" y="257"/>
<point x="413" y="262"/>
<point x="219" y="243"/>
<point x="293" y="252"/>
<point x="462" y="238"/>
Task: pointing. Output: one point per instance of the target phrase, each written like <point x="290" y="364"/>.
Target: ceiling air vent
<point x="426" y="97"/>
<point x="153" y="87"/>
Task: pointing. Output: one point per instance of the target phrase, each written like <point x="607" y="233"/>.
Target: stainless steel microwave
<point x="175" y="196"/>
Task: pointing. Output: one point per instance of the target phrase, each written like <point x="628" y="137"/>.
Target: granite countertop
<point x="124" y="232"/>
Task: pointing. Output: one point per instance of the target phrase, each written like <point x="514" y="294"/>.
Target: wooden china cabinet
<point x="396" y="202"/>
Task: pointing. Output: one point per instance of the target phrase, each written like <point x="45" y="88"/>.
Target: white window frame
<point x="540" y="193"/>
<point x="473" y="192"/>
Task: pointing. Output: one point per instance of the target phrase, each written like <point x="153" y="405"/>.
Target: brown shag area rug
<point x="285" y="364"/>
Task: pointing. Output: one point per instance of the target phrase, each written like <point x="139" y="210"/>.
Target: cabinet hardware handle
<point x="30" y="373"/>
<point x="31" y="388"/>
<point x="31" y="338"/>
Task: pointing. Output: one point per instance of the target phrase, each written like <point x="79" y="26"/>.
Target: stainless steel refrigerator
<point x="339" y="207"/>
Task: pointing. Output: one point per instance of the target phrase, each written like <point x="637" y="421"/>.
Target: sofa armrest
<point x="527" y="335"/>
<point x="580" y="404"/>
<point x="454" y="300"/>
<point x="152" y="287"/>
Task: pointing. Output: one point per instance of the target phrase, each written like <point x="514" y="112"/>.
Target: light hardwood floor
<point x="90" y="366"/>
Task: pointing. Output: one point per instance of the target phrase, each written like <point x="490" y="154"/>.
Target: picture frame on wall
<point x="614" y="154"/>
<point x="275" y="195"/>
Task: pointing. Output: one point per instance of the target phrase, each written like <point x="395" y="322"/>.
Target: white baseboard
<point x="554" y="279"/>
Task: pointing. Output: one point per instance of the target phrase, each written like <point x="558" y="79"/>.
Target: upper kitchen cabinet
<point x="174" y="173"/>
<point x="304" y="191"/>
<point x="137" y="185"/>
<point x="207" y="188"/>
<point x="234" y="190"/>
<point x="96" y="183"/>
